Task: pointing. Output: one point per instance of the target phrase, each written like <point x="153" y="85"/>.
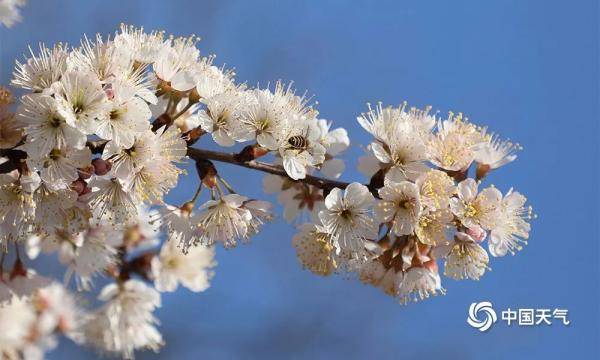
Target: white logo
<point x="483" y="308"/>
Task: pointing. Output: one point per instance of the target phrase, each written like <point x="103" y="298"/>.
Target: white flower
<point x="143" y="233"/>
<point x="52" y="207"/>
<point x="372" y="272"/>
<point x="128" y="118"/>
<point x="476" y="209"/>
<point x="335" y="142"/>
<point x="511" y="227"/>
<point x="93" y="256"/>
<point x="161" y="173"/>
<point x="261" y="213"/>
<point x="16" y="210"/>
<point x="401" y="205"/>
<point x="45" y="127"/>
<point x="58" y="169"/>
<point x="220" y="118"/>
<point x="82" y="101"/>
<point x="332" y="168"/>
<point x="212" y="81"/>
<point x="143" y="48"/>
<point x="403" y="151"/>
<point x="21" y="282"/>
<point x="420" y="283"/>
<point x="224" y="220"/>
<point x="495" y="153"/>
<point x="58" y="240"/>
<point x="400" y="138"/>
<point x="391" y="282"/>
<point x="267" y="114"/>
<point x="175" y="65"/>
<point x="347" y="217"/>
<point x="436" y="188"/>
<point x="193" y="269"/>
<point x="300" y="147"/>
<point x="149" y="162"/>
<point x="99" y="57"/>
<point x="368" y="165"/>
<point x="58" y="310"/>
<point x="10" y="12"/>
<point x="177" y="223"/>
<point x="455" y="144"/>
<point x="466" y="258"/>
<point x="132" y="81"/>
<point x="110" y="202"/>
<point x="171" y="146"/>
<point x="150" y="182"/>
<point x="41" y="70"/>
<point x="17" y="317"/>
<point x="378" y="121"/>
<point x="295" y="197"/>
<point x="126" y="161"/>
<point x="314" y="249"/>
<point x="262" y="119"/>
<point x="432" y="224"/>
<point x="125" y="323"/>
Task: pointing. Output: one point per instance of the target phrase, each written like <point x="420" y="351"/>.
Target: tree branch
<point x="231" y="158"/>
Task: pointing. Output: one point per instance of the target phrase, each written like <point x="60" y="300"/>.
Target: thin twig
<point x="183" y="111"/>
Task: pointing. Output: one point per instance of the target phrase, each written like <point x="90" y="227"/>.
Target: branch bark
<point x="231" y="158"/>
<point x="197" y="155"/>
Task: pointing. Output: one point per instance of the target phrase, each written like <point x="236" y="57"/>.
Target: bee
<point x="298" y="142"/>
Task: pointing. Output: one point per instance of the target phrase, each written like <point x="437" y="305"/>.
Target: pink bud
<point x="477" y="233"/>
<point x="86" y="172"/>
<point x="110" y="93"/>
<point x="78" y="186"/>
<point x="101" y="167"/>
<point x="86" y="190"/>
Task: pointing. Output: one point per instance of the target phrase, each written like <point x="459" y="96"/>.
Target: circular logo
<point x="481" y="315"/>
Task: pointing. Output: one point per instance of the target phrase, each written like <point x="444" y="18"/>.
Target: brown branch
<point x="230" y="158"/>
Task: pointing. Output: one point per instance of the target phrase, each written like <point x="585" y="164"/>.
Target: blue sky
<point x="528" y="69"/>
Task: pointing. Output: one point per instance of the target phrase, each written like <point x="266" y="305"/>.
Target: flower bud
<point x="86" y="172"/>
<point x="187" y="207"/>
<point x="101" y="166"/>
<point x="86" y="190"/>
<point x="194" y="97"/>
<point x="207" y="172"/>
<point x="162" y="120"/>
<point x="194" y="135"/>
<point x="110" y="93"/>
<point x="78" y="186"/>
<point x="477" y="233"/>
<point x="482" y="171"/>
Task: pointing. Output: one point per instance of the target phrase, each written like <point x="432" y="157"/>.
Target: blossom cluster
<point x="99" y="136"/>
<point x="419" y="207"/>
